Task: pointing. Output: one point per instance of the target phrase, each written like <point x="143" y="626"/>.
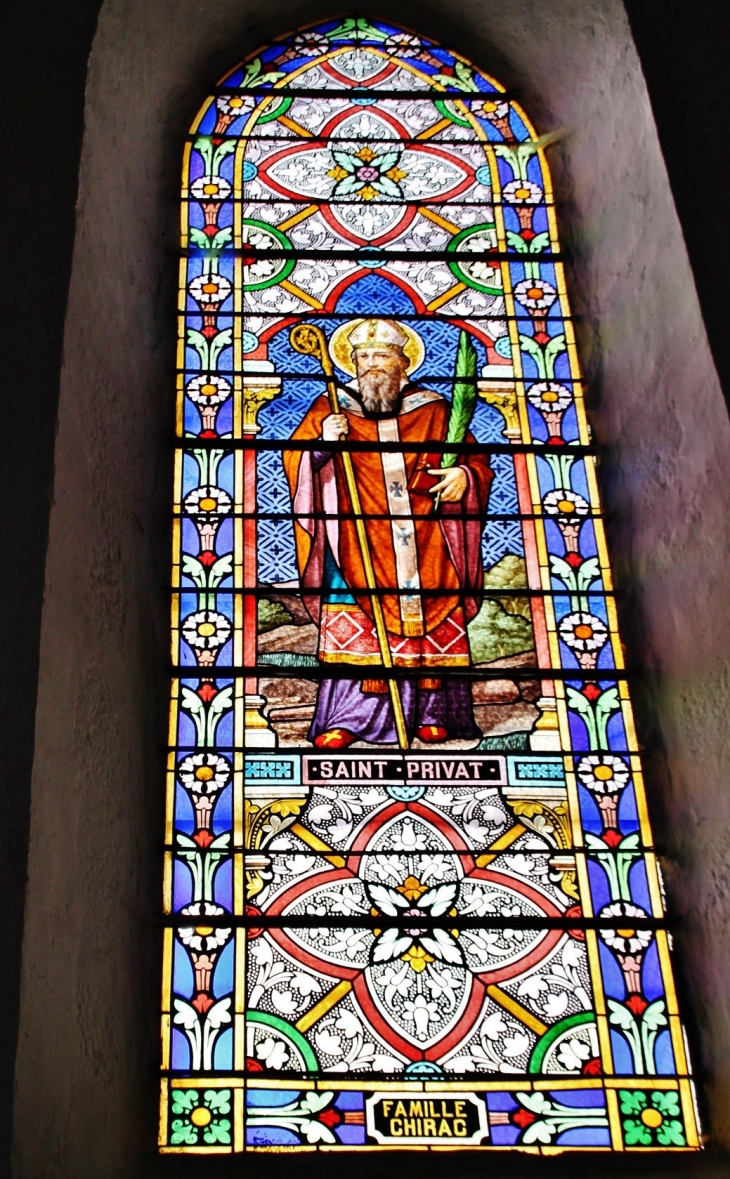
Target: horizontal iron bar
<point x="387" y="255"/>
<point x="483" y="449"/>
<point x="396" y="591"/>
<point x="390" y="751"/>
<point x="355" y="92"/>
<point x="361" y="921"/>
<point x="376" y="670"/>
<point x="316" y="374"/>
<point x="432" y="204"/>
<point x="290" y="517"/>
<point x="309" y="139"/>
<point x="438" y="316"/>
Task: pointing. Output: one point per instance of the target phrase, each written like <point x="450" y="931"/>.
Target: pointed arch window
<point x="410" y="893"/>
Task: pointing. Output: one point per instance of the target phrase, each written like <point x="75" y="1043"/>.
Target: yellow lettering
<point x="460" y="1128"/>
<point x="444" y="1112"/>
<point x="429" y="1128"/>
<point x="444" y="1128"/>
<point x="416" y="1109"/>
<point x="395" y="1128"/>
<point x="431" y="1110"/>
<point x="459" y="1109"/>
<point x="400" y="1110"/>
<point x="409" y="1127"/>
<point x="387" y="1107"/>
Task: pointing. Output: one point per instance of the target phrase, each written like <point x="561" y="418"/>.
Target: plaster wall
<point x="88" y="1035"/>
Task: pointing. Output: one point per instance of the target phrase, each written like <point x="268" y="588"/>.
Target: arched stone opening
<point x="667" y="445"/>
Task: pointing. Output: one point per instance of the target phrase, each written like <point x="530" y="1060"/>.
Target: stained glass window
<point x="411" y="896"/>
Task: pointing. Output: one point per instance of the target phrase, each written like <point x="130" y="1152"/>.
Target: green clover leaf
<point x="218" y="1131"/>
<point x="218" y="1100"/>
<point x="671" y="1134"/>
<point x="632" y="1101"/>
<point x="636" y="1133"/>
<point x="182" y="1133"/>
<point x="184" y="1101"/>
<point x="666" y="1103"/>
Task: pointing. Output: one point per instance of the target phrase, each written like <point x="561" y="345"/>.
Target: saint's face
<point x="381" y="374"/>
<point x="381" y="360"/>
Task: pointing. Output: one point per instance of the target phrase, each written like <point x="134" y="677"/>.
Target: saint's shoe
<point x="334" y="739"/>
<point x="432" y="733"/>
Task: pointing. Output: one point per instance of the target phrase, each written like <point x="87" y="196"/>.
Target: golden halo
<point x="340" y="348"/>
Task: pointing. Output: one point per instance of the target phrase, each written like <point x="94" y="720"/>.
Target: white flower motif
<point x="208" y="391"/>
<point x="421" y="1012"/>
<point x="310" y="45"/>
<point x="210" y="188"/>
<point x="204" y="773"/>
<point x="257" y="270"/>
<point x="409" y="839"/>
<point x="235" y="104"/>
<point x="206" y="631"/>
<point x="583" y="632"/>
<point x="272" y="1053"/>
<point x="490" y="108"/>
<point x="555" y="1005"/>
<point x="328" y="1042"/>
<point x="568" y="506"/>
<point x="403" y="45"/>
<point x="349" y="1024"/>
<point x="305" y="984"/>
<point x="603" y="773"/>
<point x="522" y="192"/>
<point x="493" y="1026"/>
<point x="210" y="290"/>
<point x="198" y="937"/>
<point x="535" y="294"/>
<point x="208" y="503"/>
<point x="204" y="909"/>
<point x="284" y="1002"/>
<point x="626" y="939"/>
<point x="549" y="396"/>
<point x="516" y="1044"/>
<point x="573" y="1054"/>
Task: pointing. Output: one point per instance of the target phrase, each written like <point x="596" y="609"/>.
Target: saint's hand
<point x="334" y="427"/>
<point x="452" y="485"/>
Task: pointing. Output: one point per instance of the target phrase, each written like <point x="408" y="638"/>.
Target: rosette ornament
<point x="231" y="107"/>
<point x="204" y="943"/>
<point x="208" y="393"/>
<point x="524" y="196"/>
<point x="204" y="775"/>
<point x="209" y="292"/>
<point x="207" y="506"/>
<point x="627" y="942"/>
<point x="585" y="635"/>
<point x="211" y="191"/>
<point x="568" y="509"/>
<point x="537" y="297"/>
<point x="206" y="632"/>
<point x="495" y="112"/>
<point x="551" y="400"/>
<point x="605" y="776"/>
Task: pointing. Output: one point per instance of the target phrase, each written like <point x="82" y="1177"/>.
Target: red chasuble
<point x="413" y="547"/>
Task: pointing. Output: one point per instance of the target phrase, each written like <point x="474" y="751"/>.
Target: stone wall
<point x="88" y="1046"/>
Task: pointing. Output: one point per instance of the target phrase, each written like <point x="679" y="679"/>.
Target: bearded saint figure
<point x="426" y="557"/>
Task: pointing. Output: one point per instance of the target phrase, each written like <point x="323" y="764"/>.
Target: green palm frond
<point x="464" y="397"/>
